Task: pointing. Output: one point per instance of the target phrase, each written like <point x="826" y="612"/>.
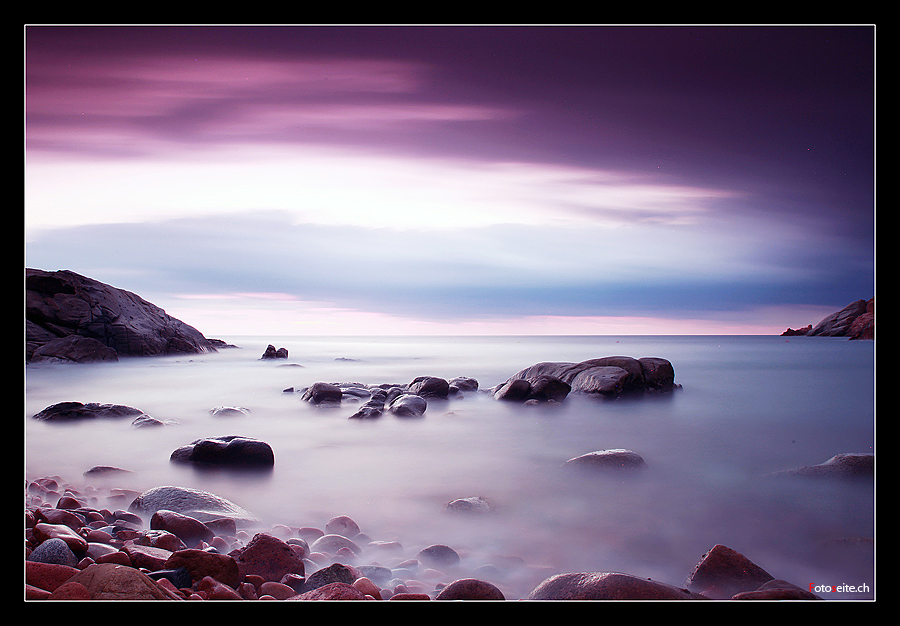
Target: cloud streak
<point x="445" y="176"/>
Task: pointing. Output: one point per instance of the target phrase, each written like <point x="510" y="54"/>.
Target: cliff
<point x="854" y="321"/>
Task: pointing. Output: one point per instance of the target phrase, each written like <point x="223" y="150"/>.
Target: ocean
<point x="748" y="406"/>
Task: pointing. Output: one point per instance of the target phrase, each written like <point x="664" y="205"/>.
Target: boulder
<point x="65" y="304"/>
<point x="608" y="586"/>
<point x="108" y="581"/>
<point x="463" y="384"/>
<point x="323" y="393"/>
<point x="616" y="460"/>
<point x="336" y="573"/>
<point x="438" y="555"/>
<point x="200" y="505"/>
<point x="473" y="504"/>
<point x="723" y="572"/>
<point x="408" y="405"/>
<point x="226" y="451"/>
<point x="847" y="465"/>
<point x="201" y="564"/>
<point x="56" y="551"/>
<point x="332" y="591"/>
<point x="470" y="589"/>
<point x="64" y="411"/>
<point x="190" y="530"/>
<point x="272" y="353"/>
<point x="268" y="557"/>
<point x="429" y="387"/>
<point x="609" y="376"/>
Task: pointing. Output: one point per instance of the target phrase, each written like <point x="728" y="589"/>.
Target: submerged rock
<point x="201" y="505"/>
<point x="229" y="450"/>
<point x="616" y="460"/>
<point x="64" y="411"/>
<point x="723" y="572"/>
<point x="847" y="465"/>
<point x="608" y="586"/>
<point x="272" y="353"/>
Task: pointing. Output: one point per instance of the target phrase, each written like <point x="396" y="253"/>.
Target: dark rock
<point x="332" y="591"/>
<point x="429" y="387"/>
<point x="463" y="384"/>
<point x="777" y="590"/>
<point x="515" y="390"/>
<point x="92" y="410"/>
<point x="190" y="530"/>
<point x="323" y="393"/>
<point x="408" y="405"/>
<point x="63" y="304"/>
<point x="228" y="411"/>
<point x="143" y="421"/>
<point x="200" y="564"/>
<point x="74" y="349"/>
<point x="272" y="353"/>
<point x="336" y="573"/>
<point x="200" y="505"/>
<point x="839" y="324"/>
<point x="103" y="470"/>
<point x="723" y="572"/>
<point x="790" y="332"/>
<point x="470" y="589"/>
<point x="373" y="408"/>
<point x="608" y="586"/>
<point x="268" y="557"/>
<point x="229" y="450"/>
<point x="438" y="555"/>
<point x="54" y="550"/>
<point x="180" y="577"/>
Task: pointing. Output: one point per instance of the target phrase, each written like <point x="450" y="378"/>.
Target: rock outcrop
<point x="610" y="376"/>
<point x="854" y="321"/>
<point x="72" y="318"/>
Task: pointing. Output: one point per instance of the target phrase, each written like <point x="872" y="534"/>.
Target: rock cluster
<point x="72" y="318"/>
<point x="608" y="377"/>
<point x="854" y="321"/>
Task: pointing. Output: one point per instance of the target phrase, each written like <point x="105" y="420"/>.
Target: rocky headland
<point x="854" y="321"/>
<point x="72" y="318"/>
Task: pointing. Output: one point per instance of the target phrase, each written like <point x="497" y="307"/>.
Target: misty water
<point x="748" y="406"/>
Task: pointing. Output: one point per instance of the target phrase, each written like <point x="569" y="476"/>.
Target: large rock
<point x="268" y="557"/>
<point x="608" y="586"/>
<point x="65" y="411"/>
<point x="226" y="451"/>
<point x="609" y="376"/>
<point x="846" y="465"/>
<point x="723" y="573"/>
<point x="108" y="581"/>
<point x="65" y="304"/>
<point x="74" y="349"/>
<point x="200" y="505"/>
<point x="616" y="460"/>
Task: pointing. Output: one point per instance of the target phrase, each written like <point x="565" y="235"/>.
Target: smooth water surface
<point x="748" y="406"/>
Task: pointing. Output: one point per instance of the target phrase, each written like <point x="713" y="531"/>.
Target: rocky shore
<point x="854" y="321"/>
<point x="171" y="543"/>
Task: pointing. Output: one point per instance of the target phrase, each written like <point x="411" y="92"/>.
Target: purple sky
<point x="343" y="180"/>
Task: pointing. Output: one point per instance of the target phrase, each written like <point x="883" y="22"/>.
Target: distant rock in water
<point x="845" y="465"/>
<point x="610" y="376"/>
<point x="68" y="411"/>
<point x="272" y="353"/>
<point x="854" y="321"/>
<point x="72" y="318"/>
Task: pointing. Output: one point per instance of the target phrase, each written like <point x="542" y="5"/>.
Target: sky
<point x="344" y="180"/>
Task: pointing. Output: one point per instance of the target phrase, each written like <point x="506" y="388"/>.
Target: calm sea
<point x="749" y="406"/>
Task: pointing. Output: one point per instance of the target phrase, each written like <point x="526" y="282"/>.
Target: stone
<point x="607" y="586"/>
<point x="429" y="387"/>
<point x="463" y="384"/>
<point x="146" y="557"/>
<point x="277" y="590"/>
<point x="201" y="505"/>
<point x="438" y="555"/>
<point x="335" y="573"/>
<point x="332" y="591"/>
<point x="615" y="460"/>
<point x="229" y="411"/>
<point x="839" y="323"/>
<point x="322" y="393"/>
<point x="108" y="581"/>
<point x="190" y="530"/>
<point x="54" y="550"/>
<point x="408" y="405"/>
<point x="342" y="525"/>
<point x="47" y="576"/>
<point x="180" y="577"/>
<point x="70" y="591"/>
<point x="473" y="504"/>
<point x="777" y="590"/>
<point x="74" y="349"/>
<point x="226" y="451"/>
<point x="333" y="543"/>
<point x="723" y="572"/>
<point x="66" y="411"/>
<point x="76" y="543"/>
<point x="268" y="557"/>
<point x="846" y="466"/>
<point x="470" y="589"/>
<point x="201" y="564"/>
<point x="272" y="353"/>
<point x="63" y="304"/>
<point x="217" y="590"/>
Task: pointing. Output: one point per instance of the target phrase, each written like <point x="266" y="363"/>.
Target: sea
<point x="747" y="406"/>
